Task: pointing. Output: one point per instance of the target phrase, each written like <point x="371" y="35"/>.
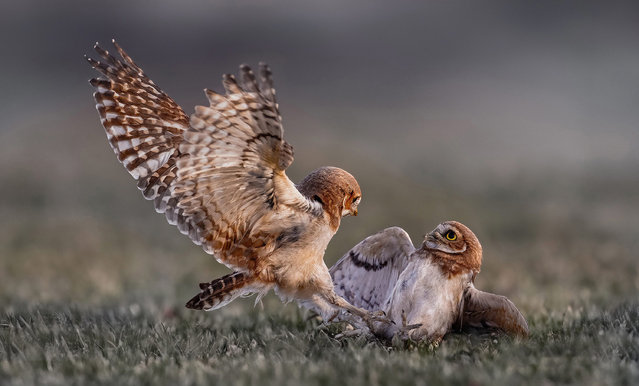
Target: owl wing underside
<point x="367" y="273"/>
<point x="144" y="127"/>
<point x="216" y="175"/>
<point x="485" y="311"/>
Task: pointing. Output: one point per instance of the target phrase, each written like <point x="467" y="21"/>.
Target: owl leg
<point x="403" y="332"/>
<point x="375" y="321"/>
<point x="330" y="306"/>
<point x="350" y="333"/>
<point x="320" y="306"/>
<point x="329" y="313"/>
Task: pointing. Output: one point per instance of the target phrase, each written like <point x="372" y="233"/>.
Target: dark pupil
<point x="450" y="235"/>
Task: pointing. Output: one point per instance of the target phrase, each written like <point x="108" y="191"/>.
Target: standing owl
<point x="430" y="288"/>
<point x="219" y="176"/>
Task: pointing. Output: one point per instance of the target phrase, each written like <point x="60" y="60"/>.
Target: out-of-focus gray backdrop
<point x="518" y="118"/>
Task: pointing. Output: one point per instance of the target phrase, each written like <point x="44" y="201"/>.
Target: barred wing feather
<point x="365" y="275"/>
<point x="215" y="175"/>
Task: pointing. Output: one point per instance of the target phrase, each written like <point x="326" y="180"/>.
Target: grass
<point x="88" y="295"/>
<point x="59" y="345"/>
<point x="90" y="278"/>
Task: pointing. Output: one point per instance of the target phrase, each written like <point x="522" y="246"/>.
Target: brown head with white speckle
<point x="334" y="188"/>
<point x="455" y="247"/>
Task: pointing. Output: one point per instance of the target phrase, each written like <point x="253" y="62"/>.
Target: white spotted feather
<point x="214" y="174"/>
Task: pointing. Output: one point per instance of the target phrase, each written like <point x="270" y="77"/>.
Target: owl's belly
<point x="430" y="298"/>
<point x="436" y="318"/>
<point x="301" y="264"/>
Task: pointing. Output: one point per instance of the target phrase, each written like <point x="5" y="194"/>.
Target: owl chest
<point x="427" y="296"/>
<point x="298" y="262"/>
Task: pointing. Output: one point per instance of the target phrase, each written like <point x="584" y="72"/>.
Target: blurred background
<point x="517" y="118"/>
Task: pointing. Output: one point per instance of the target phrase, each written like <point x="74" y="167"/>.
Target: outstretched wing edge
<point x="367" y="273"/>
<point x="216" y="174"/>
<point x="486" y="311"/>
<point x="144" y="127"/>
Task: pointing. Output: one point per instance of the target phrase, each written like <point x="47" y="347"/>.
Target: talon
<point x="412" y="326"/>
<point x="379" y="316"/>
<point x="347" y="334"/>
<point x="404" y="332"/>
<point x="383" y="319"/>
<point x="333" y="316"/>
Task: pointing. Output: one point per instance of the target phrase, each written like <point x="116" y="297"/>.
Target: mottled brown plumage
<point x="486" y="312"/>
<point x="335" y="189"/>
<point x="457" y="256"/>
<point x="219" y="176"/>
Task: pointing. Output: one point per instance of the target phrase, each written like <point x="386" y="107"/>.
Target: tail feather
<point x="222" y="291"/>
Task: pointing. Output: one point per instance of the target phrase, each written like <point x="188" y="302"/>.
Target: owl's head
<point x="454" y="242"/>
<point x="334" y="188"/>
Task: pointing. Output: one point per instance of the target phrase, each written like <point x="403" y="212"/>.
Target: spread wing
<point x="483" y="310"/>
<point x="217" y="175"/>
<point x="144" y="127"/>
<point x="366" y="275"/>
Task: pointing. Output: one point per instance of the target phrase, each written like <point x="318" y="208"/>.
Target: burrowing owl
<point x="219" y="177"/>
<point x="431" y="286"/>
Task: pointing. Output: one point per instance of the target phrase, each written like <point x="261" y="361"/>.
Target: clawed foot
<point x="377" y="320"/>
<point x="349" y="333"/>
<point x="379" y="316"/>
<point x="332" y="316"/>
<point x="403" y="331"/>
<point x="379" y="325"/>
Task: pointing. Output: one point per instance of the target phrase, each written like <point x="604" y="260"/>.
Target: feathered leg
<point x="367" y="316"/>
<point x="326" y="293"/>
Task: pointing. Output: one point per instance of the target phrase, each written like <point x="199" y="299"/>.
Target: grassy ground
<point x="91" y="292"/>
<point x="140" y="345"/>
<point x="92" y="281"/>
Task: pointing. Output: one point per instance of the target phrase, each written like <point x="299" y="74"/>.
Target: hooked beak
<point x="354" y="212"/>
<point x="431" y="241"/>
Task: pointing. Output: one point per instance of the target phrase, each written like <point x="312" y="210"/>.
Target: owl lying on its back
<point x="431" y="286"/>
<point x="219" y="176"/>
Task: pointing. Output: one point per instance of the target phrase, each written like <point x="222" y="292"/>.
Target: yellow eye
<point x="450" y="235"/>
